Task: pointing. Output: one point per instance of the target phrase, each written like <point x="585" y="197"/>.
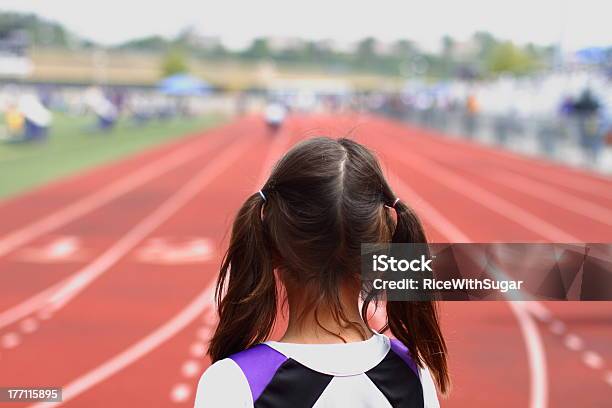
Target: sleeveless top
<point x="378" y="372"/>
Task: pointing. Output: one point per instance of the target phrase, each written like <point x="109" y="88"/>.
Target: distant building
<point x="14" y="60"/>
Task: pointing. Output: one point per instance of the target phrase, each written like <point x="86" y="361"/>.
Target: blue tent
<point x="594" y="55"/>
<point x="183" y="85"/>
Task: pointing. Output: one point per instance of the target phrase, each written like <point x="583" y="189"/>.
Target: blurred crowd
<point x="563" y="115"/>
<point x="28" y="110"/>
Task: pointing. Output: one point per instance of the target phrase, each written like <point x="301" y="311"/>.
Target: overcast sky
<point x="578" y="22"/>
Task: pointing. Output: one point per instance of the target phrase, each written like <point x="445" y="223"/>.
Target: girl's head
<point x="323" y="199"/>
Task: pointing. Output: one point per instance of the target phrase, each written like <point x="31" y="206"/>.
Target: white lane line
<point x="540" y="312"/>
<point x="28" y="325"/>
<point x="203" y="303"/>
<point x="608" y="378"/>
<point x="573" y="342"/>
<point x="191" y="368"/>
<point x="180" y="393"/>
<point x="204" y="333"/>
<point x="482" y="197"/>
<point x="536" y="356"/>
<point x="538" y="397"/>
<point x="593" y="360"/>
<point x="557" y="327"/>
<point x="197" y="349"/>
<point x="553" y="196"/>
<point x="433" y="216"/>
<point x="10" y="340"/>
<point x="45" y="314"/>
<point x="580" y="183"/>
<point x="61" y="293"/>
<point x="105" y="195"/>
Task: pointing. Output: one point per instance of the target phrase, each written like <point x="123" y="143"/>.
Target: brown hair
<point x="323" y="199"/>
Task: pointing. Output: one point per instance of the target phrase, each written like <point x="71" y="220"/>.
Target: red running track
<point x="83" y="306"/>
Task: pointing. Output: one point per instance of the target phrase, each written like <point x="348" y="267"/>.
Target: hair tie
<point x="395" y="202"/>
<point x="262" y="195"/>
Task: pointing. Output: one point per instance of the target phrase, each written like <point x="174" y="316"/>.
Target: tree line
<point x="480" y="56"/>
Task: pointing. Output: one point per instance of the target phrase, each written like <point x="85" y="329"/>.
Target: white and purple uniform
<point x="377" y="372"/>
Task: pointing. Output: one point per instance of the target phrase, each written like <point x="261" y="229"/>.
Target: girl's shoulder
<point x="238" y="380"/>
<point x="223" y="384"/>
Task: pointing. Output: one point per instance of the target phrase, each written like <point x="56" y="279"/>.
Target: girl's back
<point x="373" y="373"/>
<point x="297" y="242"/>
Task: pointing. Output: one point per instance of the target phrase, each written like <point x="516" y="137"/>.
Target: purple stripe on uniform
<point x="402" y="351"/>
<point x="259" y="364"/>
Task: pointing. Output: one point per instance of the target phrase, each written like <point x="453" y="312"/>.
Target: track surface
<point x="105" y="277"/>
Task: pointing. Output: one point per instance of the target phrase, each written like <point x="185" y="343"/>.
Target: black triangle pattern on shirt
<point x="398" y="382"/>
<point x="293" y="385"/>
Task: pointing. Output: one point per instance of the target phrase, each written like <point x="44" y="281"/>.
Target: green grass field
<point x="71" y="148"/>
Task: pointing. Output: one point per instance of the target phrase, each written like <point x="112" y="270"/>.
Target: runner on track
<point x="275" y="114"/>
<point x="304" y="227"/>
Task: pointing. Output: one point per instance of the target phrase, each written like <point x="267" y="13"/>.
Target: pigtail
<point x="416" y="323"/>
<point x="246" y="288"/>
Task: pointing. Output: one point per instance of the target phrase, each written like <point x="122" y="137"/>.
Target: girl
<point x="304" y="228"/>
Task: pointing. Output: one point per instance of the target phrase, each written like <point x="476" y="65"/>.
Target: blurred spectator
<point x="567" y="106"/>
<point x="14" y="120"/>
<point x="104" y="109"/>
<point x="472" y="108"/>
<point x="275" y="115"/>
<point x="586" y="110"/>
<point x="36" y="116"/>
